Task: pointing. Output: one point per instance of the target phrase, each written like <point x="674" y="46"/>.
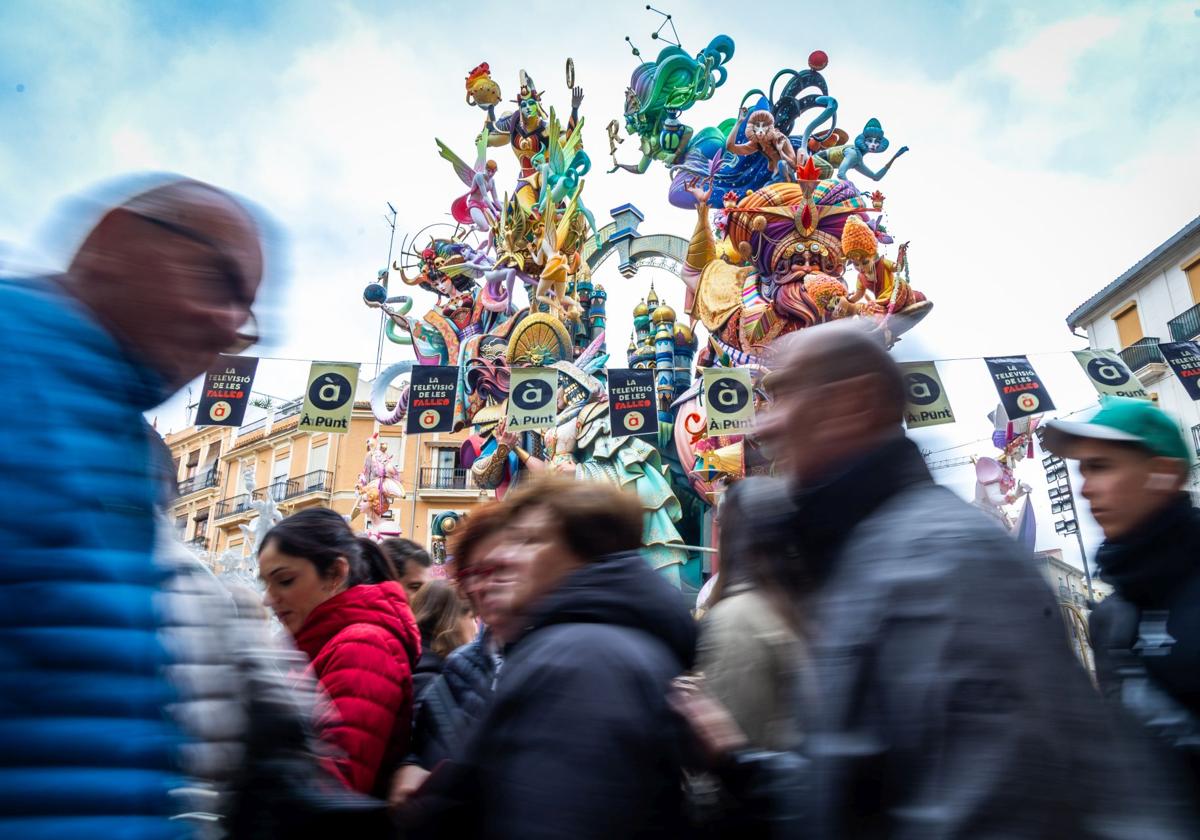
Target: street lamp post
<point x="391" y="223"/>
<point x="1062" y="503"/>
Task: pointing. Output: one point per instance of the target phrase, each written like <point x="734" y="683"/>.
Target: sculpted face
<point x="862" y="263"/>
<point x="760" y="124"/>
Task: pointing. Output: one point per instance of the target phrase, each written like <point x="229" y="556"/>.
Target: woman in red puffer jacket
<point x="338" y="595"/>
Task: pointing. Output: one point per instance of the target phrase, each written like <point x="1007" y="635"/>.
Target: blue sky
<point x="1052" y="145"/>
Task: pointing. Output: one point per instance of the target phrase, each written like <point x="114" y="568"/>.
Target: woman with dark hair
<point x="412" y="563"/>
<point x="339" y="597"/>
<point x="446" y="622"/>
<point x="750" y="644"/>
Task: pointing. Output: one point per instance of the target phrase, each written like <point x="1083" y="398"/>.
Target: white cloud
<point x="1046" y="65"/>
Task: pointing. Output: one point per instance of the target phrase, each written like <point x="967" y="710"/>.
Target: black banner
<point x="1184" y="359"/>
<point x="632" y="406"/>
<point x="1021" y="391"/>
<point x="431" y="395"/>
<point x="226" y="391"/>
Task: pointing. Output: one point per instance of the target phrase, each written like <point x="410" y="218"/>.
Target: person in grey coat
<point x="949" y="702"/>
<point x="750" y="650"/>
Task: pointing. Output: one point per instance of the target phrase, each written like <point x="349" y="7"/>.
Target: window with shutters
<point x="282" y="465"/>
<point x="318" y="456"/>
<point x="1129" y="325"/>
<point x="210" y="459"/>
<point x="281" y="468"/>
<point x="445" y="458"/>
<point x="1193" y="276"/>
<point x="201" y="519"/>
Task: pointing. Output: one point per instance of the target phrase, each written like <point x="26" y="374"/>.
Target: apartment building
<point x="222" y="471"/>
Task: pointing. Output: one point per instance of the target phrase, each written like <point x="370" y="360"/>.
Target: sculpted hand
<point x="701" y="195"/>
<point x="503" y="436"/>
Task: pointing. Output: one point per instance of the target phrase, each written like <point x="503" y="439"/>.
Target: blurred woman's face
<point x="473" y="580"/>
<point x="294" y="586"/>
<point x="530" y="562"/>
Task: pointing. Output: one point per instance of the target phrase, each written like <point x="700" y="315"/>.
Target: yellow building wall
<point x="410" y="515"/>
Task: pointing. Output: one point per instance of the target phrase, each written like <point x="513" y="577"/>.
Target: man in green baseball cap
<point x="1133" y="459"/>
<point x="1146" y="637"/>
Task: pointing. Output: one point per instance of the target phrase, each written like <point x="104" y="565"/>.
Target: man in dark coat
<point x="1146" y="636"/>
<point x="578" y="740"/>
<point x="947" y="702"/>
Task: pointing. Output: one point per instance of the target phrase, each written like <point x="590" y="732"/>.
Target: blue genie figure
<point x="849" y="157"/>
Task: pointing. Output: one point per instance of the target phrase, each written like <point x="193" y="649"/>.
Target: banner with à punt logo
<point x="1109" y="374"/>
<point x="728" y="400"/>
<point x="925" y="400"/>
<point x="329" y="398"/>
<point x="532" y="399"/>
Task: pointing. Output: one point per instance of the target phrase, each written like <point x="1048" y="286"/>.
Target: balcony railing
<point x="280" y="490"/>
<point x="198" y="543"/>
<point x="233" y="505"/>
<point x="1142" y="353"/>
<point x="317" y="481"/>
<point x="446" y="478"/>
<point x="201" y="481"/>
<point x="277" y="490"/>
<point x="1186" y="325"/>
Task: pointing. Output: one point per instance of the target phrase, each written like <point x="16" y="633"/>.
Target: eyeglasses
<point x="480" y="571"/>
<point x="232" y="279"/>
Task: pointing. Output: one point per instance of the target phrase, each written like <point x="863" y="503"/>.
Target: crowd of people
<point x="876" y="660"/>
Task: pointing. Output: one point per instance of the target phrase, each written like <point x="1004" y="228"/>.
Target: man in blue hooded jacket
<point x="161" y="285"/>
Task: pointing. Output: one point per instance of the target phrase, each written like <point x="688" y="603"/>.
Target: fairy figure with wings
<point x="480" y="206"/>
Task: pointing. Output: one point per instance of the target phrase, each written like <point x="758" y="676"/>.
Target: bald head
<point x="172" y="273"/>
<point x="836" y="394"/>
<point x="834" y="354"/>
